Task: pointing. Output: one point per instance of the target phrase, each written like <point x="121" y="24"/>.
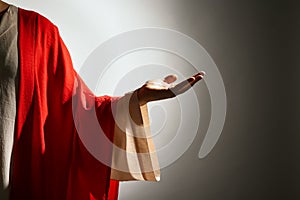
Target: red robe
<point x="49" y="160"/>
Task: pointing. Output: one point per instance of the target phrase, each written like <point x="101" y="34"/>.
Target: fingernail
<point x="203" y="73"/>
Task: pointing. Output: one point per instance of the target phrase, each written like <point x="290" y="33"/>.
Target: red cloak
<point x="49" y="159"/>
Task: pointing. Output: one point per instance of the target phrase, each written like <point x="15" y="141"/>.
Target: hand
<point x="163" y="89"/>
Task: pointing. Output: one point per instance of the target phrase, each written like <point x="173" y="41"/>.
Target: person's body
<point x="42" y="156"/>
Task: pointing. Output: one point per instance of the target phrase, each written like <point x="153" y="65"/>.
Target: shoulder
<point x="33" y="19"/>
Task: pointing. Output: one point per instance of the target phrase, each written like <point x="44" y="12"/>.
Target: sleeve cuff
<point x="134" y="156"/>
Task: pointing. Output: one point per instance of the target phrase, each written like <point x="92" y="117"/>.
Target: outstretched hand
<point x="163" y="89"/>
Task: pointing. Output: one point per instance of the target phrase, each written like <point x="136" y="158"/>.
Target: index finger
<point x="188" y="83"/>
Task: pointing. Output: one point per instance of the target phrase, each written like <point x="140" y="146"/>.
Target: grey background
<point x="255" y="44"/>
<point x="257" y="156"/>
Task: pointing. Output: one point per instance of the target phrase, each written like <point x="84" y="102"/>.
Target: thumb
<point x="170" y="78"/>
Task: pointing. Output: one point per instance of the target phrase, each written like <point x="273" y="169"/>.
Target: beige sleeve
<point x="134" y="155"/>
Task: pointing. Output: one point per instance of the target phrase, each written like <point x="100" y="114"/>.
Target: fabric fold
<point x="134" y="156"/>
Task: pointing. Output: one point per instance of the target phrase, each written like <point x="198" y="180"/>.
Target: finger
<point x="203" y="73"/>
<point x="183" y="86"/>
<point x="170" y="79"/>
<point x="199" y="76"/>
<point x="187" y="84"/>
